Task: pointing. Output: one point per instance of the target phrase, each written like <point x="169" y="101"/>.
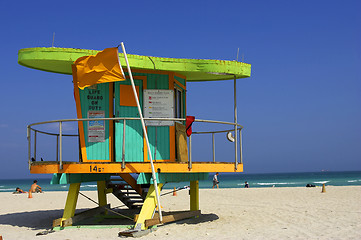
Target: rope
<point x="178" y="189"/>
<point x="110" y="210"/>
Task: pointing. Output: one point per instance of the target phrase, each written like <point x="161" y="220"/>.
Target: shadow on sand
<point x="36" y="219"/>
<point x="201" y="219"/>
<point x="40" y="220"/>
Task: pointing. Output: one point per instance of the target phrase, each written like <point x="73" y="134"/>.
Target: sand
<point x="254" y="213"/>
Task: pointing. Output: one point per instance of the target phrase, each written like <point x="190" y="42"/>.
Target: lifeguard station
<point x="112" y="147"/>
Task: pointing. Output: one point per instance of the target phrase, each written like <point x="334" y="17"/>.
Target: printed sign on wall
<point x="158" y="104"/>
<point x="96" y="129"/>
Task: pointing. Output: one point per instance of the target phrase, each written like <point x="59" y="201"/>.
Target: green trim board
<point x="146" y="178"/>
<point x="59" y="60"/>
<point x="68" y="178"/>
<point x="93" y="227"/>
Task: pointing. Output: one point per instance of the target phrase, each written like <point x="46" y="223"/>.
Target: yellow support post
<point x="102" y="196"/>
<point x="148" y="207"/>
<point x="194" y="195"/>
<point x="71" y="201"/>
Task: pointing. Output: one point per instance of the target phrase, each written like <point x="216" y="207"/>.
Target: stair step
<point x="135" y="201"/>
<point x="125" y="186"/>
<point x="121" y="195"/>
<point x="128" y="199"/>
<point x="122" y="188"/>
<point x="136" y="197"/>
<point x="125" y="193"/>
<point x="131" y="196"/>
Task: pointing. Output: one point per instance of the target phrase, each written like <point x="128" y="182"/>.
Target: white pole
<point x="235" y="121"/>
<point x="145" y="133"/>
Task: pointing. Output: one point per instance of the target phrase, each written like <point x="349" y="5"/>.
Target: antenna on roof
<point x="52" y="44"/>
<point x="237" y="54"/>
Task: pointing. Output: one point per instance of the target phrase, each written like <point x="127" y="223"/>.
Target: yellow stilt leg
<point x="102" y="196"/>
<point x="194" y="196"/>
<point x="148" y="208"/>
<point x="71" y="201"/>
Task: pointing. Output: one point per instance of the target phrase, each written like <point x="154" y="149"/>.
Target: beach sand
<point x="254" y="213"/>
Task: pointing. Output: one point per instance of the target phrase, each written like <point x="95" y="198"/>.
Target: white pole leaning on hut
<point x="145" y="133"/>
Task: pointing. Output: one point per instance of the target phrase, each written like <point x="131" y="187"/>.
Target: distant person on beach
<point x="18" y="190"/>
<point x="215" y="180"/>
<point x="246" y="185"/>
<point x="35" y="187"/>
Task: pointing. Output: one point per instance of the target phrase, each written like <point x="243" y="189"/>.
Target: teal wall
<point x="133" y="130"/>
<point x="158" y="136"/>
<point x="96" y="100"/>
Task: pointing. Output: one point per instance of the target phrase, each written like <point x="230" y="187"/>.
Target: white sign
<point x="158" y="104"/>
<point x="96" y="129"/>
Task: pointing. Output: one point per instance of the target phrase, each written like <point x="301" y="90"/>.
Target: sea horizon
<point x="227" y="180"/>
<point x="49" y="175"/>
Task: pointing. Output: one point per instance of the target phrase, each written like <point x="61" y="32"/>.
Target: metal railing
<point x="59" y="136"/>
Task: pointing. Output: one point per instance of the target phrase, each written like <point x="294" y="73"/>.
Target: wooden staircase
<point x="126" y="189"/>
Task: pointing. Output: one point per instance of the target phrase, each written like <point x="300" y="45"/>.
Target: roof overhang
<point x="59" y="60"/>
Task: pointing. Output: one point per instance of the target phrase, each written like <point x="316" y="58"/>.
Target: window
<point x="178" y="103"/>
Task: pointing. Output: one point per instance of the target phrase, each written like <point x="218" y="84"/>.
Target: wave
<point x="354" y="181"/>
<point x="322" y="182"/>
<point x="89" y="186"/>
<point x="277" y="183"/>
<point x="8" y="189"/>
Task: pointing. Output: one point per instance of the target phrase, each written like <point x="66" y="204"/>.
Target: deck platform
<point x="144" y="167"/>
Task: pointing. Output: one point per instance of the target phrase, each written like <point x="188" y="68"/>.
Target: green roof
<point x="59" y="60"/>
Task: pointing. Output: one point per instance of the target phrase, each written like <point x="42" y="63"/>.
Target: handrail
<point x="31" y="127"/>
<point x="129" y="118"/>
<point x="55" y="134"/>
<point x="221" y="131"/>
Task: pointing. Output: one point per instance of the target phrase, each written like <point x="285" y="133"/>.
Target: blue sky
<point x="301" y="108"/>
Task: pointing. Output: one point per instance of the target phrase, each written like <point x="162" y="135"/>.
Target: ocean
<point x="227" y="180"/>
